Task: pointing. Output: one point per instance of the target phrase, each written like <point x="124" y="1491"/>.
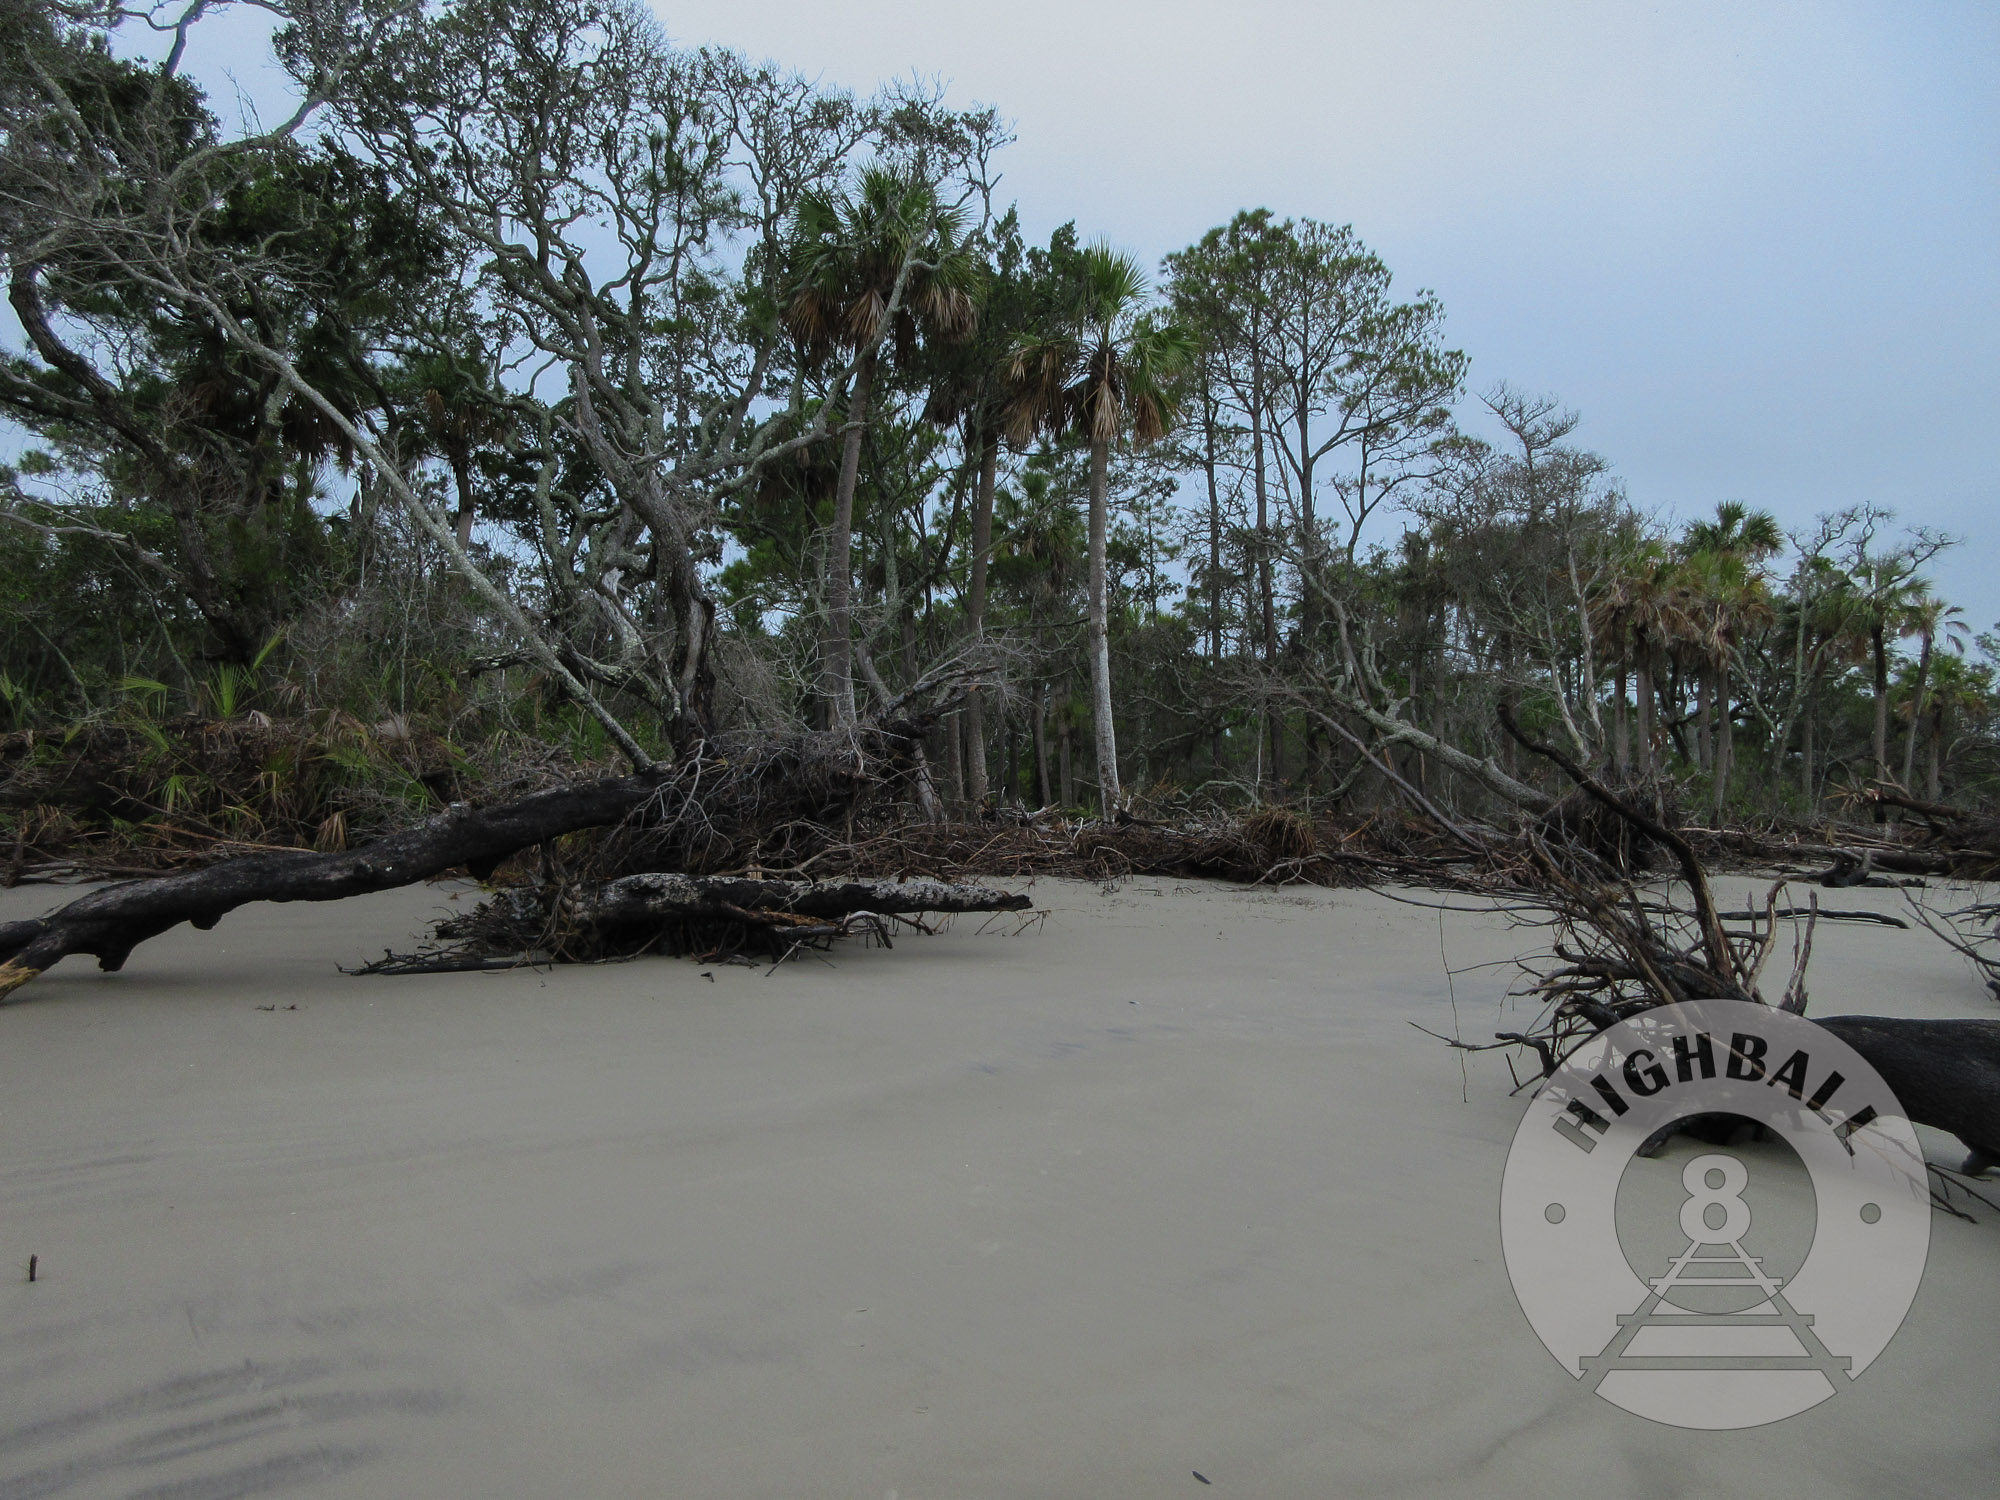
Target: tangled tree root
<point x="1618" y="952"/>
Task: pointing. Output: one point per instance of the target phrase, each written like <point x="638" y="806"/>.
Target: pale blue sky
<point x="1755" y="244"/>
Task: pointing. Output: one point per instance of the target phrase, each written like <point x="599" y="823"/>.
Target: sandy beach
<point x="1166" y="1184"/>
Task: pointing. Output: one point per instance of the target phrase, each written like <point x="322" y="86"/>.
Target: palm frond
<point x="1113" y="285"/>
<point x="1037" y="375"/>
<point x="1158" y="359"/>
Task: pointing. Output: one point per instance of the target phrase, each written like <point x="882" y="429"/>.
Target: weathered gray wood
<point x="640" y="900"/>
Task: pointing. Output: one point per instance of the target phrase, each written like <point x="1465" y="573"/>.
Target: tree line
<point x="538" y="379"/>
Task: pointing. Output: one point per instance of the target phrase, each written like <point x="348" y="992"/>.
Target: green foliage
<point x="630" y="405"/>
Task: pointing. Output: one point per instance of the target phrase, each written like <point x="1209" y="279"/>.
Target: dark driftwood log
<point x="1857" y="867"/>
<point x="111" y="922"/>
<point x="1946" y="1074"/>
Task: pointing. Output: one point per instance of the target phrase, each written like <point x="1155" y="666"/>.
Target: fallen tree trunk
<point x="1857" y="866"/>
<point x="653" y="898"/>
<point x="710" y="915"/>
<point x="111" y="922"/>
<point x="1945" y="1074"/>
<point x="711" y="809"/>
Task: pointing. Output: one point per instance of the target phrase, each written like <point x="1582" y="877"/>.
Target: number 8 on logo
<point x="1704" y="1195"/>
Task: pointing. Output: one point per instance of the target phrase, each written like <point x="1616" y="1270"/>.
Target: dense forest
<point x="542" y="396"/>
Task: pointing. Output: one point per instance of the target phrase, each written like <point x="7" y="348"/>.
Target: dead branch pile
<point x="1934" y="841"/>
<point x="1273" y="847"/>
<point x="1970" y="840"/>
<point x="766" y="801"/>
<point x="862" y="865"/>
<point x="1581" y="822"/>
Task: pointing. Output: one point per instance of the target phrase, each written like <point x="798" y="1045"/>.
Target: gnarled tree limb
<point x="111" y="922"/>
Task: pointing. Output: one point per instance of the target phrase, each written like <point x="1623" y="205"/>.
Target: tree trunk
<point x="1621" y="735"/>
<point x="461" y="473"/>
<point x="1942" y="1072"/>
<point x="1266" y="597"/>
<point x="1879" y="641"/>
<point x="1725" y="740"/>
<point x="637" y="900"/>
<point x="1808" y="729"/>
<point x="1208" y="424"/>
<point x="1704" y="721"/>
<point x="1644" y="700"/>
<point x="1100" y="632"/>
<point x="895" y="617"/>
<point x="1878" y="638"/>
<point x="1916" y="710"/>
<point x="975" y="608"/>
<point x="1042" y="798"/>
<point x="955" y="756"/>
<point x="840" y="554"/>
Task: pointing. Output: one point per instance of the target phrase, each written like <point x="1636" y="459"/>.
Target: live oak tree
<point x="115" y="172"/>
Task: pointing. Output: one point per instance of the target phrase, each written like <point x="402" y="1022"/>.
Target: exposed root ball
<point x="1283" y="833"/>
<point x="1580" y="821"/>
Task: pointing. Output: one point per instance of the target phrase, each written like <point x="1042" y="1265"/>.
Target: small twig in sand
<point x="1947" y="1180"/>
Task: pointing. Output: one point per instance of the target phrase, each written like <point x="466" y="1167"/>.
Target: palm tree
<point x="1822" y="615"/>
<point x="1106" y="372"/>
<point x="884" y="262"/>
<point x="460" y="416"/>
<point x="1726" y="598"/>
<point x="1890" y="598"/>
<point x="1610" y="621"/>
<point x="1037" y="565"/>
<point x="1957" y="689"/>
<point x="1638" y="615"/>
<point x="1728" y="593"/>
<point x="969" y="388"/>
<point x="1934" y="619"/>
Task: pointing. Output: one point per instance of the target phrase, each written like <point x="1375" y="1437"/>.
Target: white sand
<point x="1166" y="1186"/>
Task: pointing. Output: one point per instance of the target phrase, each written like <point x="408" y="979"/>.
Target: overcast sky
<point x="1754" y="244"/>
